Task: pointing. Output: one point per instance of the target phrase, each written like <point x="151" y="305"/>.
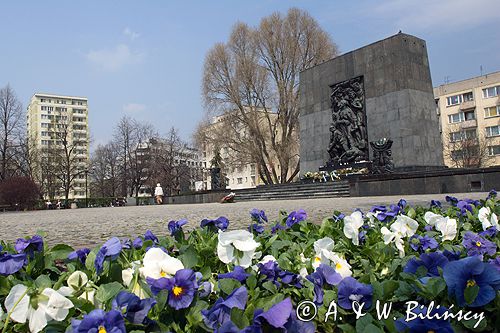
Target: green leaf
<point x="471" y="293"/>
<point x="251" y="282"/>
<point x="43" y="281"/>
<point x="60" y="251"/>
<point x="189" y="258"/>
<point x="238" y="318"/>
<point x="161" y="299"/>
<point x="347" y="328"/>
<point x="89" y="263"/>
<point x="228" y="285"/>
<point x="471" y="322"/>
<point x="108" y="291"/>
<point x="435" y="286"/>
<point x="268" y="285"/>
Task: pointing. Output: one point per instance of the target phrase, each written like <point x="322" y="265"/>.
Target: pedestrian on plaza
<point x="159" y="194"/>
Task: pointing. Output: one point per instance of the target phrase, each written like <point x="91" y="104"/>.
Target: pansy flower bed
<point x="394" y="268"/>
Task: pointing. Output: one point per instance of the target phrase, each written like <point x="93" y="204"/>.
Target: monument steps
<point x="294" y="191"/>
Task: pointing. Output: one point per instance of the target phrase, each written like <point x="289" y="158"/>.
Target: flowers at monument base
<point x="212" y="279"/>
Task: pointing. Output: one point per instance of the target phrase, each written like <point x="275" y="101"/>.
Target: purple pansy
<point x="29" y="246"/>
<point x="220" y="223"/>
<point x="176" y="226"/>
<point x="150" y="236"/>
<point x="452" y="200"/>
<point x="492" y="194"/>
<point x="100" y="321"/>
<point x="490" y="232"/>
<point x="220" y="312"/>
<point x="80" y="254"/>
<point x="431" y="261"/>
<point x="477" y="245"/>
<point x="471" y="272"/>
<point x="295" y="217"/>
<point x="425" y="325"/>
<point x="134" y="309"/>
<point x="258" y="216"/>
<point x="324" y="274"/>
<point x="11" y="263"/>
<point x="402" y="203"/>
<point x="110" y="250"/>
<point x="277" y="227"/>
<point x="350" y="290"/>
<point x="495" y="263"/>
<point x="339" y="217"/>
<point x="423" y="243"/>
<point x="238" y="274"/>
<point x="181" y="288"/>
<point x="464" y="206"/>
<point x="257" y="228"/>
<point x="205" y="289"/>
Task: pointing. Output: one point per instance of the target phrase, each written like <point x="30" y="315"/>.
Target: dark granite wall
<point x="399" y="102"/>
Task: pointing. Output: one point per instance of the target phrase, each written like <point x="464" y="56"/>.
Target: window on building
<point x="493" y="111"/>
<point x="456" y="118"/>
<point x="492" y="131"/>
<point x="469" y="115"/>
<point x="457" y="99"/>
<point x="462" y="135"/>
<point x="494" y="150"/>
<point x="491" y="92"/>
<point x="240" y="180"/>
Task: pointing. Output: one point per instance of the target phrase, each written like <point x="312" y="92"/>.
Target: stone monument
<point x="382" y="90"/>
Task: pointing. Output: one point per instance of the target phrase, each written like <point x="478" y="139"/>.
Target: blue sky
<point x="145" y="58"/>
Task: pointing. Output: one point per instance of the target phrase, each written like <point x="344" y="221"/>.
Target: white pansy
<point x="76" y="282"/>
<point x="237" y="247"/>
<point x="267" y="259"/>
<point x="323" y="248"/>
<point x="396" y="237"/>
<point x="487" y="218"/>
<point x="158" y="264"/>
<point x="447" y="227"/>
<point x="340" y="264"/>
<point x="405" y="225"/>
<point x="372" y="217"/>
<point x="303" y="272"/>
<point x="352" y="224"/>
<point x="19" y="312"/>
<point x="52" y="306"/>
<point x="432" y="218"/>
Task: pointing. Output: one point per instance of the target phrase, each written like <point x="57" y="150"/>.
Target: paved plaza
<point x="92" y="226"/>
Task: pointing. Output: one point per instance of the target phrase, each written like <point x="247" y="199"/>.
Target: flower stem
<point x="4" y="330"/>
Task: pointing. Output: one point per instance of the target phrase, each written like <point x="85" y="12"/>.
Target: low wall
<point x="198" y="197"/>
<point x="439" y="181"/>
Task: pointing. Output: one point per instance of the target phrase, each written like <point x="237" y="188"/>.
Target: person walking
<point x="159" y="194"/>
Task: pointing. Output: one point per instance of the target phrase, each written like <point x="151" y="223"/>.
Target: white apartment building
<point x="470" y="109"/>
<point x="52" y="119"/>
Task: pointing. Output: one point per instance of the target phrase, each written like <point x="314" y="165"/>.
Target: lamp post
<point x="86" y="188"/>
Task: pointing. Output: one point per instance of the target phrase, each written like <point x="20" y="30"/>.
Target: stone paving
<point x="92" y="226"/>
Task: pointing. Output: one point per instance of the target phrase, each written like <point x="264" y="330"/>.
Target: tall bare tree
<point x="465" y="148"/>
<point x="11" y="123"/>
<point x="255" y="77"/>
<point x="105" y="171"/>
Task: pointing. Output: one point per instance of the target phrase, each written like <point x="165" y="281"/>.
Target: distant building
<point x="177" y="168"/>
<point x="54" y="121"/>
<point x="238" y="170"/>
<point x="469" y="113"/>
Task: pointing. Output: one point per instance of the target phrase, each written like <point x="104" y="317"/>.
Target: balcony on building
<point x="468" y="124"/>
<point x="466" y="105"/>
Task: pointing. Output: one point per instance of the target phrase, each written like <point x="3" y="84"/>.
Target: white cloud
<point x="132" y="34"/>
<point x="432" y="15"/>
<point x="114" y="59"/>
<point x="134" y="108"/>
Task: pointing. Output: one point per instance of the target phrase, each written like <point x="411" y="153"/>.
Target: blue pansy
<point x="435" y="204"/>
<point x="80" y="254"/>
<point x="295" y="217"/>
<point x="402" y="203"/>
<point x="339" y="217"/>
<point x="238" y="274"/>
<point x="464" y="206"/>
<point x="277" y="227"/>
<point x="137" y="243"/>
<point x="281" y="318"/>
<point x="495" y="263"/>
<point x="220" y="223"/>
<point x="350" y="290"/>
<point x="134" y="309"/>
<point x="257" y="228"/>
<point x="11" y="263"/>
<point x="29" y="246"/>
<point x="205" y="289"/>
<point x="258" y="216"/>
<point x="492" y="194"/>
<point x="468" y="273"/>
<point x="99" y="321"/>
<point x="220" y="312"/>
<point x="110" y="250"/>
<point x="176" y="226"/>
<point x="431" y="261"/>
<point x="150" y="236"/>
<point x="425" y="325"/>
<point x="490" y="232"/>
<point x="181" y="288"/>
<point x="324" y="274"/>
<point x="452" y="200"/>
<point x="477" y="245"/>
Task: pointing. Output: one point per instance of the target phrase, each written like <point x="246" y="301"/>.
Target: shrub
<point x="19" y="192"/>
